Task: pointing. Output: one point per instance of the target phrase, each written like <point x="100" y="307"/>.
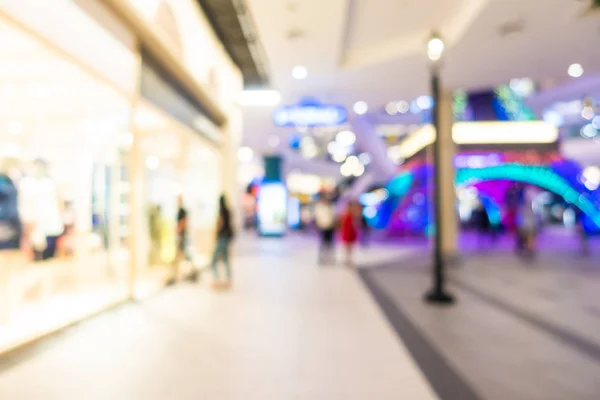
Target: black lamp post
<point x="438" y="294"/>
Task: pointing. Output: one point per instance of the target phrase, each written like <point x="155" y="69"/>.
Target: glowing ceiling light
<point x="299" y="72"/>
<point x="435" y="48"/>
<point x="361" y="107"/>
<point x="364" y="158"/>
<point x="353" y="160"/>
<point x="391" y="108"/>
<point x="245" y="154"/>
<point x="346" y="138"/>
<point x="554" y="118"/>
<point x="346" y="170"/>
<point x="338" y="157"/>
<point x="403" y="107"/>
<point x="425" y="102"/>
<point x="358" y="170"/>
<point x="152" y="162"/>
<point x="575" y="70"/>
<point x="587" y="113"/>
<point x="259" y="98"/>
<point x="588" y="131"/>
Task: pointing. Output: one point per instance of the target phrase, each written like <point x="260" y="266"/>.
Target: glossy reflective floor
<point x="288" y="330"/>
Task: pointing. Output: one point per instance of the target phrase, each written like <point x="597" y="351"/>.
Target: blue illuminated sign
<point x="310" y="112"/>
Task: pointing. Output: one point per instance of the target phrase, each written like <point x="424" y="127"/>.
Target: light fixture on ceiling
<point x="364" y="158"/>
<point x="259" y="98"/>
<point x="403" y="107"/>
<point x="352" y="167"/>
<point x="391" y="108"/>
<point x="425" y="102"/>
<point x="245" y="154"/>
<point x="587" y="113"/>
<point x="346" y="138"/>
<point x="588" y="131"/>
<point x="361" y="107"/>
<point x="435" y="48"/>
<point x="299" y="72"/>
<point x="575" y="70"/>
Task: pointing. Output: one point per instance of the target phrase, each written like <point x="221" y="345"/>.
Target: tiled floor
<point x="288" y="330"/>
<point x="519" y="331"/>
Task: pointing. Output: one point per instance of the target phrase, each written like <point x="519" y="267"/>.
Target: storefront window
<point x="60" y="131"/>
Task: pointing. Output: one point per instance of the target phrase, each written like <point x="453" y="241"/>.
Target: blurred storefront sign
<point x="310" y="112"/>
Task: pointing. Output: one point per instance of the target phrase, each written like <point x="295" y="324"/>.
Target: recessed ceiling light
<point x="361" y="107"/>
<point x="299" y="72"/>
<point x="575" y="70"/>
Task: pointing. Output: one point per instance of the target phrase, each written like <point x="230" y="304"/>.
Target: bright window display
<point x="181" y="180"/>
<point x="60" y="136"/>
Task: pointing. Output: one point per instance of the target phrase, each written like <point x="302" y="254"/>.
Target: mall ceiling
<point x="235" y="29"/>
<point x="374" y="50"/>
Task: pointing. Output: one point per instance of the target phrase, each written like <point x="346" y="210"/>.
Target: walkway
<point x="288" y="330"/>
<point x="519" y="331"/>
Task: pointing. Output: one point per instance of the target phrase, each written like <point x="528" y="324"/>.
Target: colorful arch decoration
<point x="553" y="179"/>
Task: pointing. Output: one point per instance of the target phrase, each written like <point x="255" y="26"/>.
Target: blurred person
<point x="249" y="209"/>
<point x="528" y="227"/>
<point x="181" y="242"/>
<point x="581" y="232"/>
<point x="365" y="230"/>
<point x="225" y="235"/>
<point x="325" y="221"/>
<point x="482" y="223"/>
<point x="349" y="230"/>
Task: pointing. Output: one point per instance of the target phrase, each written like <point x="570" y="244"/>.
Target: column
<point x="447" y="195"/>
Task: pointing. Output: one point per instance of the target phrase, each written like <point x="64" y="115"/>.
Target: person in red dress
<point x="349" y="230"/>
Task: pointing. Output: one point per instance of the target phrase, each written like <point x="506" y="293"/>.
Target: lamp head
<point x="435" y="47"/>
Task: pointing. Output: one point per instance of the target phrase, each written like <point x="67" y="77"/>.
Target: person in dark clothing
<point x="181" y="229"/>
<point x="482" y="223"/>
<point x="225" y="235"/>
<point x="581" y="232"/>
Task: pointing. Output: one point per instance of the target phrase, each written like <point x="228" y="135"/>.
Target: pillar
<point x="449" y="226"/>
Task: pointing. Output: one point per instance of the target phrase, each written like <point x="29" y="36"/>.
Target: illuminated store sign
<point x="310" y="112"/>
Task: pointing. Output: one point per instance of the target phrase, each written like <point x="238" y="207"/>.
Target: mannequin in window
<point x="10" y="223"/>
<point x="40" y="212"/>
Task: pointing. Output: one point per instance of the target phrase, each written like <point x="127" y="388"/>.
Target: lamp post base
<point x="439" y="297"/>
